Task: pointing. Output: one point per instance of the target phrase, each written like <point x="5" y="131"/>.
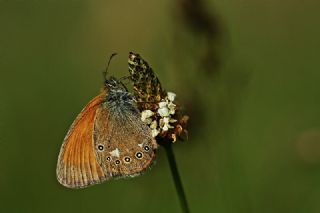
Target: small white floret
<point x="148" y="120"/>
<point x="163" y="104"/>
<point x="166" y="120"/>
<point x="165" y="127"/>
<point x="153" y="125"/>
<point x="154" y="132"/>
<point x="163" y="112"/>
<point x="146" y="114"/>
<point x="172" y="108"/>
<point x="171" y="96"/>
<point x="164" y="124"/>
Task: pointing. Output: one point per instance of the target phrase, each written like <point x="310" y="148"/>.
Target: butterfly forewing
<point x="77" y="165"/>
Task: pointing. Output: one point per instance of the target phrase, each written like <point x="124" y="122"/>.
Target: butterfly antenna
<point x="106" y="72"/>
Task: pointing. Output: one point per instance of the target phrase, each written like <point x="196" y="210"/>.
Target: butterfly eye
<point x="146" y="148"/>
<point x="139" y="155"/>
<point x="127" y="159"/>
<point x="100" y="147"/>
<point x="108" y="158"/>
<point x="117" y="161"/>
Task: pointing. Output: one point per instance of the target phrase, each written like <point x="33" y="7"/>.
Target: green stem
<point x="176" y="177"/>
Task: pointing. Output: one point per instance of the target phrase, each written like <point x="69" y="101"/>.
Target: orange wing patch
<point x="77" y="165"/>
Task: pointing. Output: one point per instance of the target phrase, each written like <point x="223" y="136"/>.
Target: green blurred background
<point x="247" y="72"/>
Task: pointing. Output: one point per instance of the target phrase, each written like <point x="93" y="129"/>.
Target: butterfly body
<point x="106" y="140"/>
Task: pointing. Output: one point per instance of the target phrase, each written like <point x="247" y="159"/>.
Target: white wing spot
<point x="115" y="153"/>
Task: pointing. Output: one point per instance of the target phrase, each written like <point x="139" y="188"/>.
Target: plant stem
<point x="176" y="177"/>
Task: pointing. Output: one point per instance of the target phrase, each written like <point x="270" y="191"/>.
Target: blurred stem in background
<point x="198" y="36"/>
<point x="194" y="17"/>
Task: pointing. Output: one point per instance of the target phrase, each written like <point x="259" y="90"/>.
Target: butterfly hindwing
<point x="126" y="145"/>
<point x="77" y="165"/>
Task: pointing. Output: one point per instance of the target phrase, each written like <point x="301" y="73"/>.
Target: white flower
<point x="145" y="115"/>
<point x="154" y="125"/>
<point x="166" y="109"/>
<point x="148" y="120"/>
<point x="164" y="124"/>
<point x="155" y="132"/>
<point x="166" y="120"/>
<point x="165" y="128"/>
<point x="171" y="96"/>
<point x="163" y="111"/>
<point x="163" y="104"/>
<point x="172" y="108"/>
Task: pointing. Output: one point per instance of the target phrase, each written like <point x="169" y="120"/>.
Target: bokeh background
<point x="246" y="71"/>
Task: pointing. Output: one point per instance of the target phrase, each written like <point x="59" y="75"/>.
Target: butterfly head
<point x="112" y="83"/>
<point x="117" y="95"/>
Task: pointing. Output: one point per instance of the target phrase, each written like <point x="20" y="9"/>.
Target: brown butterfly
<point x="106" y="140"/>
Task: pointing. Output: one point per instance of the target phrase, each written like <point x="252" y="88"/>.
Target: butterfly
<point x="146" y="85"/>
<point x="107" y="140"/>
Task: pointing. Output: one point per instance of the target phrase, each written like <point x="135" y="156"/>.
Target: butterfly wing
<point x="125" y="146"/>
<point x="77" y="165"/>
<point x="146" y="85"/>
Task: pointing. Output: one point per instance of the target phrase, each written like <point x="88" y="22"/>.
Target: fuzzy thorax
<point x="120" y="99"/>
